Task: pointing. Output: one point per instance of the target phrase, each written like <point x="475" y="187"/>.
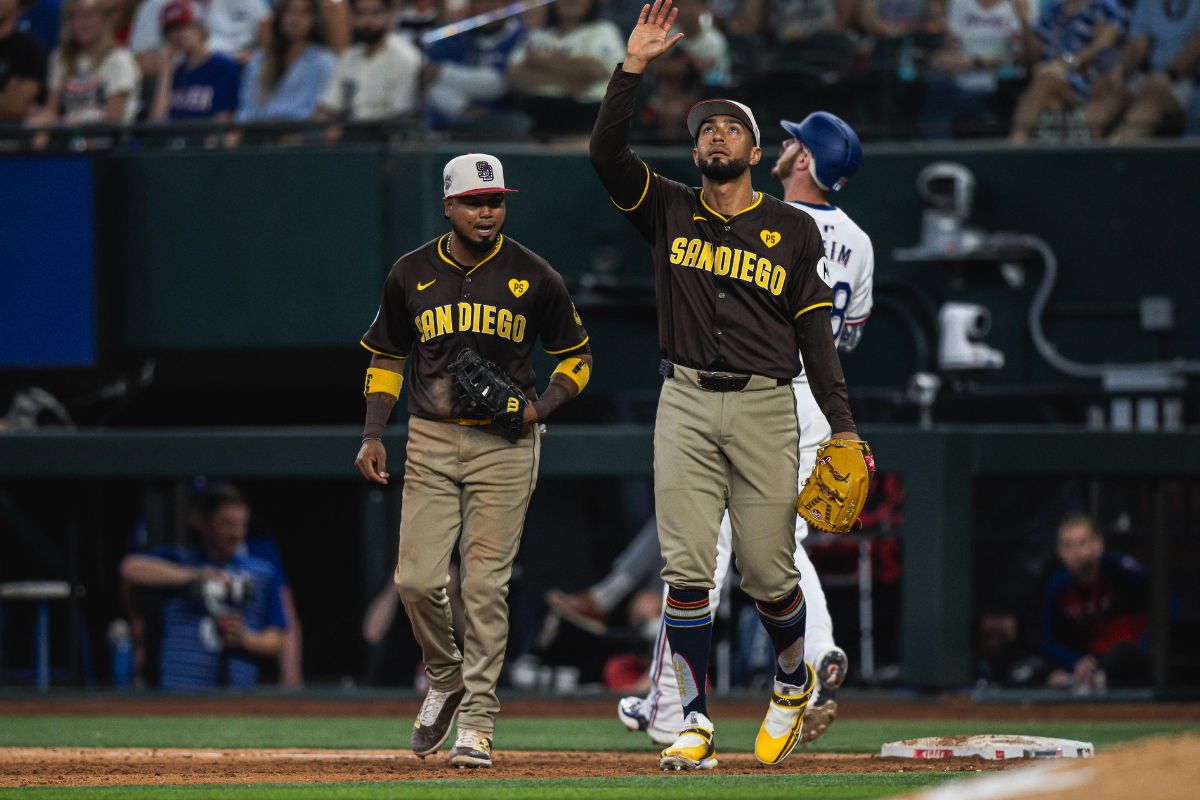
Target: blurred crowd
<point x="1064" y="70"/>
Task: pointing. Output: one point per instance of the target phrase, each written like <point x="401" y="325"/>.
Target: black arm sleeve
<point x="815" y="336"/>
<point x="624" y="175"/>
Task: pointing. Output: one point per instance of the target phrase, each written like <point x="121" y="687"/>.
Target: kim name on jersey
<point x="742" y="265"/>
<point x="474" y="317"/>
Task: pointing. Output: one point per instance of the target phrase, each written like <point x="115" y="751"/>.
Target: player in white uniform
<point x="819" y="158"/>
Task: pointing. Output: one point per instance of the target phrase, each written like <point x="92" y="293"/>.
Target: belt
<point x="717" y="381"/>
<point x="468" y="421"/>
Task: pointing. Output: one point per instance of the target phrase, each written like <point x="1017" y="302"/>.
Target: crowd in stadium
<point x="1069" y="70"/>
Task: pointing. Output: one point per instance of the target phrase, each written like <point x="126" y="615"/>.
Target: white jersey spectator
<point x="597" y="40"/>
<point x="90" y="79"/>
<point x="988" y="34"/>
<point x="85" y="86"/>
<point x="375" y="84"/>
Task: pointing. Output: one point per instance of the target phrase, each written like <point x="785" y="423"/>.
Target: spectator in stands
<point x="1094" y="628"/>
<point x="22" y="67"/>
<point x="378" y="77"/>
<point x="92" y="80"/>
<point x="203" y="84"/>
<point x="1073" y="43"/>
<point x="561" y="71"/>
<point x="286" y="79"/>
<point x="222" y="609"/>
<point x="42" y="19"/>
<point x="465" y="76"/>
<point x="795" y="20"/>
<point x="984" y="38"/>
<point x="414" y="17"/>
<point x="890" y="20"/>
<point x="695" y="68"/>
<point x="233" y="29"/>
<point x="1152" y="83"/>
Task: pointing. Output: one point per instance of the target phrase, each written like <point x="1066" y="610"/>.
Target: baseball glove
<point x="833" y="496"/>
<point x="485" y="390"/>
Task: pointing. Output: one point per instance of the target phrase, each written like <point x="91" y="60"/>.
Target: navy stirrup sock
<point x="784" y="621"/>
<point x="689" y="632"/>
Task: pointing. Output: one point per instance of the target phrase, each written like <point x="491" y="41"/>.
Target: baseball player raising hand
<point x="740" y="293"/>
<point x="822" y="153"/>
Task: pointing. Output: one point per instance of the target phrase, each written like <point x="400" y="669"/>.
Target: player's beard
<point x="478" y="245"/>
<point x="783" y="167"/>
<point x="727" y="170"/>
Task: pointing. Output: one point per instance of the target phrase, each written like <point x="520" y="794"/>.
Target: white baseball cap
<point x="473" y="173"/>
<point x="717" y="105"/>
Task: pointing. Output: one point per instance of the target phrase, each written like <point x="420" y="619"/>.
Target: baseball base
<point x="993" y="747"/>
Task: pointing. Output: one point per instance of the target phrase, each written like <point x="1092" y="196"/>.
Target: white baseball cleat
<point x="635" y="717"/>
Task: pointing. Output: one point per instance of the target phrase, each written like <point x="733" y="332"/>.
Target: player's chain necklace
<point x="450" y="238"/>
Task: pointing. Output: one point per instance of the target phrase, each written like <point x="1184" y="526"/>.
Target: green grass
<point x="714" y="786"/>
<point x="512" y="733"/>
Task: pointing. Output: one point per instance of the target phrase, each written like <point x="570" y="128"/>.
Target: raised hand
<point x="648" y="40"/>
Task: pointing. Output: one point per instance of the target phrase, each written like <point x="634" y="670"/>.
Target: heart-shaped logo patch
<point x="770" y="238"/>
<point x="518" y="287"/>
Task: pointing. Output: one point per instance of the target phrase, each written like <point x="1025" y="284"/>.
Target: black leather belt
<point x="715" y="381"/>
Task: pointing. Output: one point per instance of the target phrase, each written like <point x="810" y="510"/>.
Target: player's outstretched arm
<point x="648" y="39"/>
<point x="382" y="389"/>
<point x="626" y="177"/>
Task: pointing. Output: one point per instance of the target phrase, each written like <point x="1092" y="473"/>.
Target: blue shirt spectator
<point x="206" y="90"/>
<point x="296" y="96"/>
<point x="1168" y="33"/>
<point x="42" y="20"/>
<point x="287" y="79"/>
<point x="203" y="84"/>
<point x="1063" y="31"/>
<point x="194" y="651"/>
<point x="223" y="608"/>
<point x="468" y="71"/>
<point x="1094" y="611"/>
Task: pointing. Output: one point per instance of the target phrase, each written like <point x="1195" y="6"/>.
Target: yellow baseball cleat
<point x="693" y="748"/>
<point x="780" y="729"/>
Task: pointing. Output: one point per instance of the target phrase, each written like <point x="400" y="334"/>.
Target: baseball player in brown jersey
<point x="470" y="289"/>
<point x="739" y="294"/>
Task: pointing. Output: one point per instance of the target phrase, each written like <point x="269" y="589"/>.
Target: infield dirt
<point x="85" y="766"/>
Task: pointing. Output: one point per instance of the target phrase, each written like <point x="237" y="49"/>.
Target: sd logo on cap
<point x="473" y="173"/>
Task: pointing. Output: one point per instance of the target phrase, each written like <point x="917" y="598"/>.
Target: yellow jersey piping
<point x="645" y="191"/>
<point x="804" y="311"/>
<point x="757" y="200"/>
<point x="489" y="257"/>
<point x="574" y="347"/>
<point x="380" y="352"/>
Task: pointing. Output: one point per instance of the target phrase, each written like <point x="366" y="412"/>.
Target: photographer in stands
<point x="222" y="609"/>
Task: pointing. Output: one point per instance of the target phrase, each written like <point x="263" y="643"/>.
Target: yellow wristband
<point x="576" y="369"/>
<point x="384" y="381"/>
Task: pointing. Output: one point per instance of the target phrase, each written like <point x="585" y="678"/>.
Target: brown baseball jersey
<point x="730" y="289"/>
<point x="432" y="307"/>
